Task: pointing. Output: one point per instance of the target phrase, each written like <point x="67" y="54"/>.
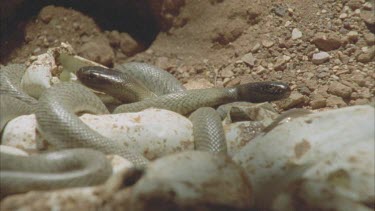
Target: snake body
<point x="158" y="80"/>
<point x="59" y="124"/>
<point x="57" y="109"/>
<point x="187" y="101"/>
<point x="11" y="107"/>
<point x="10" y="79"/>
<point x="66" y="168"/>
<point x="208" y="131"/>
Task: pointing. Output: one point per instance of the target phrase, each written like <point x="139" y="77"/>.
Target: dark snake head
<point x="263" y="91"/>
<point x="98" y="78"/>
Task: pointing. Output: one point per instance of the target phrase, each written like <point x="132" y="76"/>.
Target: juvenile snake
<point x="57" y="108"/>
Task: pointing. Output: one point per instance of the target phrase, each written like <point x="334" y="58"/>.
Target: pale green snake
<point x="57" y="107"/>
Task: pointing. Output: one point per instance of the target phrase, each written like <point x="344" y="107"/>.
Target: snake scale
<point x="141" y="86"/>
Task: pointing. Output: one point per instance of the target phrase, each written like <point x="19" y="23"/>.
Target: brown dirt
<point x="224" y="43"/>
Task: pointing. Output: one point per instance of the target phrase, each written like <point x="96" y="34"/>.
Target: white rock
<point x="38" y="75"/>
<point x="153" y="132"/>
<point x="21" y="133"/>
<point x="238" y="134"/>
<point x="296" y="34"/>
<point x="314" y="147"/>
<point x="320" y="58"/>
<point x="192" y="180"/>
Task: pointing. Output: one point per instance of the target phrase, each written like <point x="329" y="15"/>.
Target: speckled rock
<point x="307" y="150"/>
<point x="140" y="131"/>
<point x="192" y="180"/>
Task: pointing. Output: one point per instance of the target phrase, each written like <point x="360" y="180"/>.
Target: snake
<point x="140" y="86"/>
<point x="60" y="169"/>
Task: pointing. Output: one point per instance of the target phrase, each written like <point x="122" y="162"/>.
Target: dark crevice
<point x="133" y="17"/>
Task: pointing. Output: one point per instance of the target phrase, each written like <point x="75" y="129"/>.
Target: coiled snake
<point x="141" y="86"/>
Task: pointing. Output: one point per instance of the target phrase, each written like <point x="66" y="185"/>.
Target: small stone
<point x="37" y="50"/>
<point x="320" y="58"/>
<point x="352" y="36"/>
<point x="354" y="4"/>
<point x="369" y="18"/>
<point x="267" y="43"/>
<point x="369" y="38"/>
<point x="339" y="89"/>
<point x="317" y="101"/>
<point x="129" y="46"/>
<point x="98" y="50"/>
<point x="249" y="59"/>
<point x="296" y="34"/>
<point x="149" y="51"/>
<point x="295" y="99"/>
<point x="256" y="48"/>
<point x="164" y="63"/>
<point x="261" y="70"/>
<point x="367" y="6"/>
<point x="335" y="101"/>
<point x="327" y="42"/>
<point x="361" y="101"/>
<point x="368" y="56"/>
<point x="226" y="73"/>
<point x="280" y="64"/>
<point x="198" y="83"/>
<point x="304" y="90"/>
<point x="280" y="10"/>
<point x="359" y="79"/>
<point x="47" y="13"/>
<point x="287" y="23"/>
<point x="76" y="26"/>
<point x="343" y="16"/>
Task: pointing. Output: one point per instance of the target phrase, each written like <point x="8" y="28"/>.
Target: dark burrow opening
<point x="137" y="18"/>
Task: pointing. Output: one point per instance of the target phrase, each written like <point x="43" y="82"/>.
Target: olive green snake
<point x="141" y="86"/>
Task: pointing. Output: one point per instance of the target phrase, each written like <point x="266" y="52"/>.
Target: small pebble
<point x="339" y="89"/>
<point x="369" y="38"/>
<point x="335" y="101"/>
<point x="267" y="43"/>
<point x="249" y="59"/>
<point x="320" y="58"/>
<point x="296" y="34"/>
<point x="343" y="16"/>
<point x="367" y="6"/>
<point x="294" y="100"/>
<point x="353" y="36"/>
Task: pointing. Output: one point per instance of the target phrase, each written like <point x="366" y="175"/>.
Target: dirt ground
<point x="325" y="49"/>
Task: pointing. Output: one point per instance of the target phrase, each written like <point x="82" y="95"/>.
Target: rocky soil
<point x="324" y="49"/>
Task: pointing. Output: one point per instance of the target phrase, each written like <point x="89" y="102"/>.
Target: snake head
<point x="263" y="91"/>
<point x="97" y="77"/>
